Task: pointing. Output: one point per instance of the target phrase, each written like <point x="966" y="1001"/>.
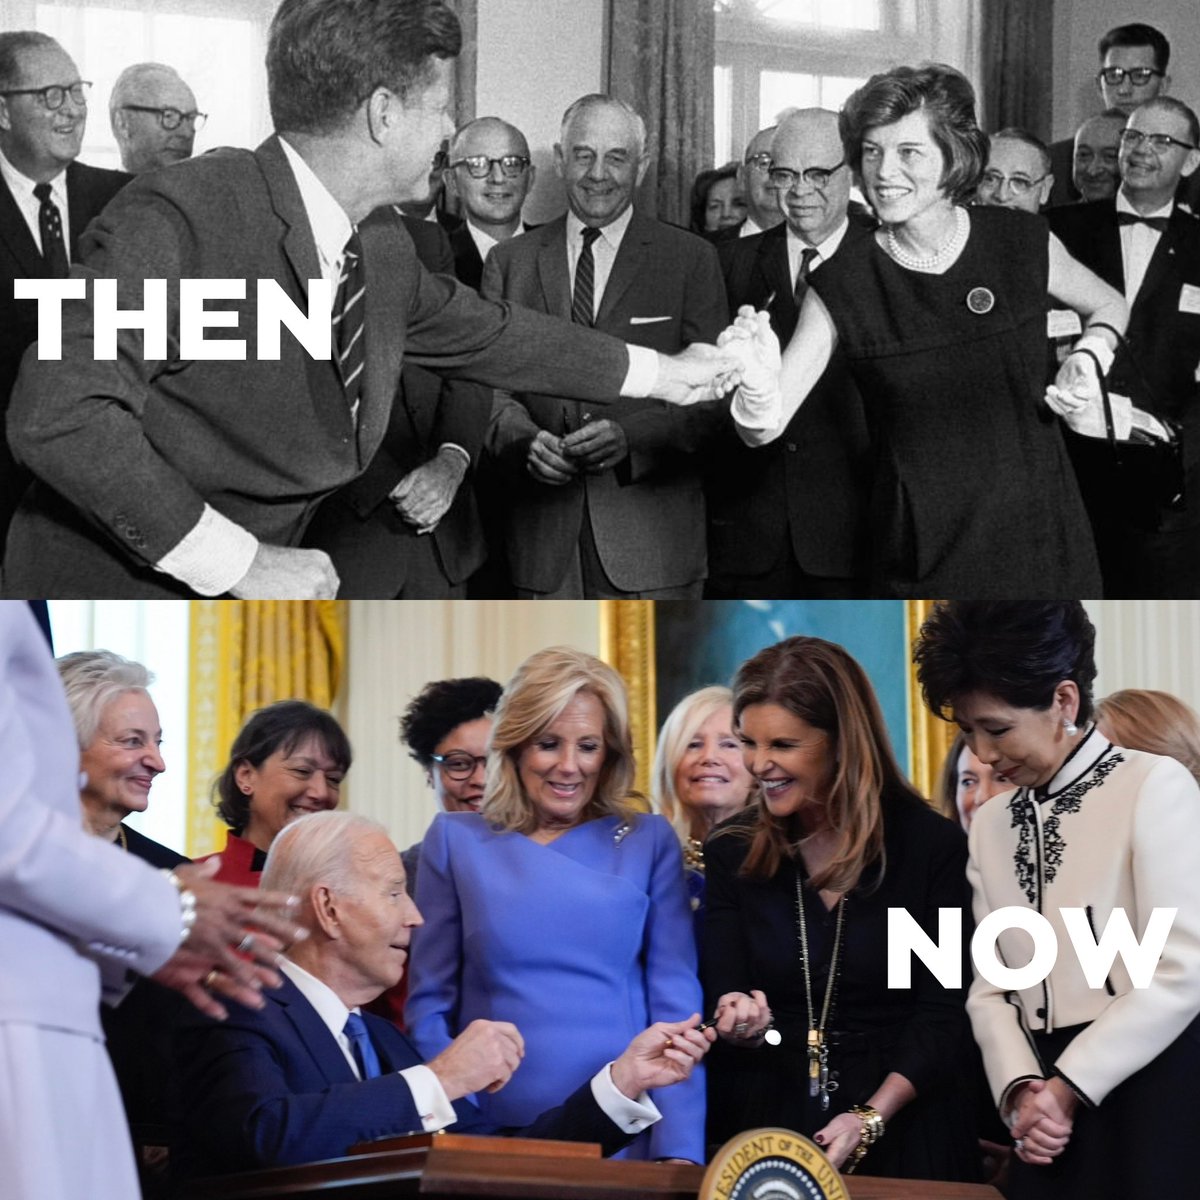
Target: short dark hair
<point x="1015" y="134"/>
<point x="325" y="57"/>
<point x="11" y="45"/>
<point x="1137" y="34"/>
<point x="1016" y="650"/>
<point x="700" y="188"/>
<point x="280" y="726"/>
<point x="1171" y="104"/>
<point x="948" y="98"/>
<point x="441" y="706"/>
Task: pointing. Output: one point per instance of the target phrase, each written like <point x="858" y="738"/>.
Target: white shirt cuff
<point x="429" y="1096"/>
<point x="214" y="554"/>
<point x="455" y="446"/>
<point x="630" y="1116"/>
<point x="642" y="374"/>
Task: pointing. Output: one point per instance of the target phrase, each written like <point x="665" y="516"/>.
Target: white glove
<point x="1075" y="396"/>
<point x="757" y="403"/>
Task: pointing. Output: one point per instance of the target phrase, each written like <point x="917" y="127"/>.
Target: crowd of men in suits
<point x="447" y="486"/>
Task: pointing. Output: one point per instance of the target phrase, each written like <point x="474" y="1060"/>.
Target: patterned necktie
<point x="360" y="1044"/>
<point x="348" y="309"/>
<point x="583" y="301"/>
<point x="806" y="260"/>
<point x="54" y="249"/>
<point x="1159" y="223"/>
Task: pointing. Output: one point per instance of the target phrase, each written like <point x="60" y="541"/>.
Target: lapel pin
<point x="980" y="300"/>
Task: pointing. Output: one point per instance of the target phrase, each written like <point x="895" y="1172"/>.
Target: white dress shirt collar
<point x="612" y="234"/>
<point x="484" y="242"/>
<point x="331" y="227"/>
<point x="21" y="187"/>
<point x="1138" y="243"/>
<point x="825" y="250"/>
<point x="327" y="1004"/>
<point x="749" y="227"/>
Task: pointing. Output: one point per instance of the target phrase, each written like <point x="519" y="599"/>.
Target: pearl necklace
<point x="944" y="254"/>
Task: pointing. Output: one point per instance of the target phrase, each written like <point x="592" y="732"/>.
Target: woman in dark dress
<point x="942" y="317"/>
<point x="835" y="824"/>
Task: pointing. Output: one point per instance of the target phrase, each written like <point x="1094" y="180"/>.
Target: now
<point x="943" y="958"/>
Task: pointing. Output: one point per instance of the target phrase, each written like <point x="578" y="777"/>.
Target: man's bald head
<point x="492" y="202"/>
<point x="807" y="143"/>
<point x="146" y="98"/>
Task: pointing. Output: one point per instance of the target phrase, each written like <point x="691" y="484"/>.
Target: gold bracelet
<point x="872" y="1131"/>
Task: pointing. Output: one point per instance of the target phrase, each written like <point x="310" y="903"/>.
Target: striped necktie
<point x="360" y="1044"/>
<point x="806" y="259"/>
<point x="54" y="249"/>
<point x="348" y="309"/>
<point x="583" y="299"/>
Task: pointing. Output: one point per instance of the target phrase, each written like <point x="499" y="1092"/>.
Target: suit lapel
<point x="299" y="246"/>
<point x="629" y="263"/>
<point x="777" y="276"/>
<point x="80" y="207"/>
<point x="1110" y="262"/>
<point x="16" y="236"/>
<point x="553" y="271"/>
<point x="386" y="267"/>
<point x="1164" y="259"/>
<point x="313" y="1033"/>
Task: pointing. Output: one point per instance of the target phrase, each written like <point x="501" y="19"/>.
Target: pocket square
<point x="647" y="320"/>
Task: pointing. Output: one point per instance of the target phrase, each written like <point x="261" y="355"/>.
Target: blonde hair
<point x="1157" y="722"/>
<point x="677" y="730"/>
<point x="543" y="685"/>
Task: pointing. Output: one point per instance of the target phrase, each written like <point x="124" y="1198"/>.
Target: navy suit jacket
<point x="273" y="1088"/>
<point x="89" y="189"/>
<point x="807" y="491"/>
<point x="647" y="514"/>
<point x="128" y="452"/>
<point x="358" y="526"/>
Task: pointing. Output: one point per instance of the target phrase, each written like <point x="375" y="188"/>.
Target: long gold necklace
<point x="121" y="838"/>
<point x="819" y="1083"/>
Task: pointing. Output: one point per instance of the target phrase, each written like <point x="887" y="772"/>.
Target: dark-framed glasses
<point x="55" y="96"/>
<point x="760" y="162"/>
<point x="479" y="166"/>
<point x="785" y="178"/>
<point x="1138" y="76"/>
<point x="1019" y="185"/>
<point x="1131" y="139"/>
<point x="458" y="764"/>
<point x="171" y="118"/>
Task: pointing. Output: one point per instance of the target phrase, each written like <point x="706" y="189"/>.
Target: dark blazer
<point x="358" y="526"/>
<point x="468" y="266"/>
<point x="806" y="491"/>
<point x="128" y="452"/>
<point x="647" y="514"/>
<point x="273" y="1088"/>
<point x="1159" y="369"/>
<point x="89" y="189"/>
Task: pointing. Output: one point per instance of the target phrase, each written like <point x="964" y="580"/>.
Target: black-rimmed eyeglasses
<point x="479" y="166"/>
<point x="171" y="118"/>
<point x="818" y="177"/>
<point x="1019" y="185"/>
<point x="1138" y="76"/>
<point x="1133" y="138"/>
<point x="761" y="162"/>
<point x="55" y="96"/>
<point x="459" y="764"/>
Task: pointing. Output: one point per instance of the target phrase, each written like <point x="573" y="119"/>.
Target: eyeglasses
<point x="171" y="118"/>
<point x="1138" y="76"/>
<point x="54" y="96"/>
<point x="818" y="177"/>
<point x="761" y="162"/>
<point x="479" y="166"/>
<point x="458" y="764"/>
<point x="1019" y="185"/>
<point x="1133" y="138"/>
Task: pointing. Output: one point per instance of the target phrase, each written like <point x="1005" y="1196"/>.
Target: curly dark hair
<point x="280" y="726"/>
<point x="441" y="706"/>
<point x="1016" y="650"/>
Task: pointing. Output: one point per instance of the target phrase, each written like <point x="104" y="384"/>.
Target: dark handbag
<point x="1141" y="475"/>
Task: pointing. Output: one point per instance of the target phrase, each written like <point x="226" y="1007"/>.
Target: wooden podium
<point x="464" y="1167"/>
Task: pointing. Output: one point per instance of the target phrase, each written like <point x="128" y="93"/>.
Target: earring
<point x="1070" y="727"/>
<point x="246" y="790"/>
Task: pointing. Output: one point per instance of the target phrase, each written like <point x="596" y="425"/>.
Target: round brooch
<point x="980" y="300"/>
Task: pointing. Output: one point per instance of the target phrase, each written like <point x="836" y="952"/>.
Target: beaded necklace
<point x="943" y="254"/>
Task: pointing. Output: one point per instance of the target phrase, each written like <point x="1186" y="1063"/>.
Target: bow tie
<point x="1158" y="223"/>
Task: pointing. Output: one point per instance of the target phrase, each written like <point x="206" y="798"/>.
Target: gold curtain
<point x="627" y="643"/>
<point x="244" y="654"/>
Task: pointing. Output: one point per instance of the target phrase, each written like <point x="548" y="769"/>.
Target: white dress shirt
<point x="604" y="252"/>
<point x="30" y="206"/>
<point x="484" y="241"/>
<point x="796" y="246"/>
<point x="1138" y="243"/>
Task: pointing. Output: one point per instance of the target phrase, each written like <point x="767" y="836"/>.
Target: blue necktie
<point x="360" y="1043"/>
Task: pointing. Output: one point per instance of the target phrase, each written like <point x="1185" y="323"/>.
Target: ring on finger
<point x="741" y="1028"/>
<point x="246" y="944"/>
<point x="1019" y="1143"/>
<point x="211" y="978"/>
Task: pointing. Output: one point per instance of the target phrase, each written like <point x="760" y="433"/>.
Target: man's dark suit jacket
<point x="127" y="453"/>
<point x="647" y="514"/>
<point x="805" y="492"/>
<point x="468" y="266"/>
<point x="358" y="526"/>
<point x="273" y="1088"/>
<point x="89" y="189"/>
<point x="1158" y="371"/>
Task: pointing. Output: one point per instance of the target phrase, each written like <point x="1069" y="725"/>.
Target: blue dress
<point x="581" y="944"/>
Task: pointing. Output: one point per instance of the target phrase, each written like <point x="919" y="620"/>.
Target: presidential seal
<point x="771" y="1164"/>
